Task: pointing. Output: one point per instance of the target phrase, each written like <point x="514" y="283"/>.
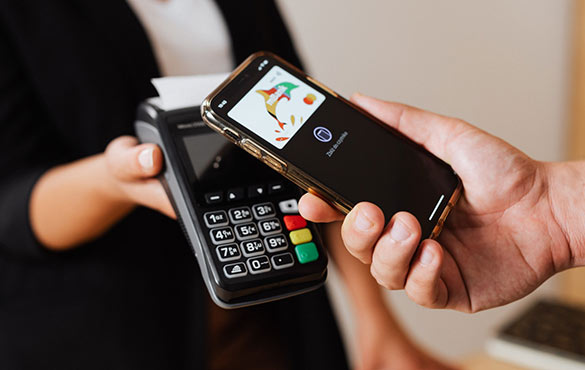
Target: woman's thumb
<point x="129" y="160"/>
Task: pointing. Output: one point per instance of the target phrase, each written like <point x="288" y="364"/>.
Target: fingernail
<point x="399" y="231"/>
<point x="362" y="222"/>
<point x="426" y="257"/>
<point x="146" y="159"/>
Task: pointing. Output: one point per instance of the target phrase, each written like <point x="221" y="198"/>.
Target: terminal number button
<point x="281" y="261"/>
<point x="215" y="218"/>
<point x="275" y="243"/>
<point x="289" y="206"/>
<point x="259" y="265"/>
<point x="229" y="252"/>
<point x="240" y="214"/>
<point x="301" y="236"/>
<point x="214" y="198"/>
<point x="235" y="194"/>
<point x="222" y="235"/>
<point x="263" y="210"/>
<point x="276" y="187"/>
<point x="271" y="226"/>
<point x="256" y="191"/>
<point x="246" y="231"/>
<point x="252" y="247"/>
<point x="307" y="252"/>
<point x="235" y="270"/>
<point x="294" y="222"/>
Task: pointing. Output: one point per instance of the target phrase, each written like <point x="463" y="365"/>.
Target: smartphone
<point x="327" y="145"/>
<point x="240" y="218"/>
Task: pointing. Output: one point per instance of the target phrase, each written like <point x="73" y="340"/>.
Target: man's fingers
<point x="316" y="209"/>
<point x="361" y="229"/>
<point x="424" y="284"/>
<point x="130" y="161"/>
<point x="394" y="250"/>
<point x="431" y="130"/>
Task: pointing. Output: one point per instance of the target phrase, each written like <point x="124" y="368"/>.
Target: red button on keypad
<point x="294" y="222"/>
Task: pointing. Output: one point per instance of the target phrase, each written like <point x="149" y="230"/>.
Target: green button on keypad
<point x="306" y="252"/>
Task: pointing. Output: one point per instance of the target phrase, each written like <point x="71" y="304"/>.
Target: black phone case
<point x="152" y="126"/>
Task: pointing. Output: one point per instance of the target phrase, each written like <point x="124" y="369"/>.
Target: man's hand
<point x="501" y="241"/>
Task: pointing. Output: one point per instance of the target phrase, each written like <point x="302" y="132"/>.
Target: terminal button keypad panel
<point x="256" y="240"/>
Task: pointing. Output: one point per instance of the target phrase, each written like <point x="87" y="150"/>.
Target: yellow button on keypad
<point x="301" y="236"/>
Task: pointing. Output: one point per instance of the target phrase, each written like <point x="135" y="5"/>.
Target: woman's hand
<point x="79" y="201"/>
<point x="132" y="168"/>
<point x="511" y="230"/>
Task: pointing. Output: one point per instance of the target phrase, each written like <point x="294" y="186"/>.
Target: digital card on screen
<point x="277" y="106"/>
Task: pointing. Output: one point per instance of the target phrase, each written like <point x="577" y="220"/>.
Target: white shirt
<point x="188" y="37"/>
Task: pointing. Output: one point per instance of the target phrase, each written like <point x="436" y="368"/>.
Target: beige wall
<point x="500" y="64"/>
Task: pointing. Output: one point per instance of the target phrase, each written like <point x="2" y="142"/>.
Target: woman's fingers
<point x="360" y="230"/>
<point x="150" y="193"/>
<point x="424" y="284"/>
<point x="316" y="209"/>
<point x="133" y="165"/>
<point x="130" y="161"/>
<point x="393" y="252"/>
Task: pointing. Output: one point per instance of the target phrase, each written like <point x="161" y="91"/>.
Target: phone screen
<point x="334" y="143"/>
<point x="288" y="102"/>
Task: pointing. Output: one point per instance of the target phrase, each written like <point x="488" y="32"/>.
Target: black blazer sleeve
<point x="28" y="147"/>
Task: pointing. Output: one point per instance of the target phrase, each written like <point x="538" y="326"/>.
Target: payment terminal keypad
<point x="260" y="237"/>
<point x="232" y="210"/>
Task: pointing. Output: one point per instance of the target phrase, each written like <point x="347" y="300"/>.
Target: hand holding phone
<point x="502" y="240"/>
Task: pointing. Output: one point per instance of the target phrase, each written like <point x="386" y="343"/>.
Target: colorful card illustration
<point x="277" y="106"/>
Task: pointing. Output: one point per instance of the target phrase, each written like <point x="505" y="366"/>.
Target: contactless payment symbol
<point x="322" y="134"/>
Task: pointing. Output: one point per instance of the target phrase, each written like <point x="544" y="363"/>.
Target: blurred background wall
<point x="501" y="65"/>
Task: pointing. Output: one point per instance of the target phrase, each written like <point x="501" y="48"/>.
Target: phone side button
<point x="215" y="127"/>
<point x="274" y="163"/>
<point x="251" y="148"/>
<point x="231" y="134"/>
